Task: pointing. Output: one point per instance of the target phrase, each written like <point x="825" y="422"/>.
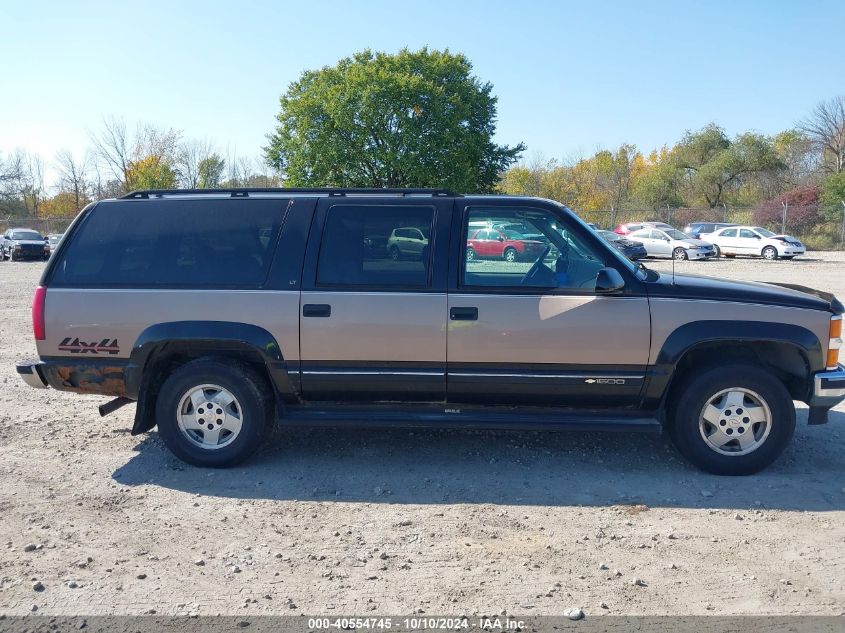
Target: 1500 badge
<point x="75" y="346"/>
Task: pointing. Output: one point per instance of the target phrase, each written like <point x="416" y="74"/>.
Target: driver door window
<point x="525" y="248"/>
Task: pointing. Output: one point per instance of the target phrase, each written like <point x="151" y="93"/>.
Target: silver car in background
<point x="672" y="243"/>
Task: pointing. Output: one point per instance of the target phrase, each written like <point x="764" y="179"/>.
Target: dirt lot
<point x="400" y="522"/>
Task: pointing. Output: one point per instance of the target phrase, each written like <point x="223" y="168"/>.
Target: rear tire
<point x="510" y="254"/>
<point x="732" y="419"/>
<point x="238" y="428"/>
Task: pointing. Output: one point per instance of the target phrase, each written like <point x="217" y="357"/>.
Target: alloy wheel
<point x="209" y="416"/>
<point x="735" y="421"/>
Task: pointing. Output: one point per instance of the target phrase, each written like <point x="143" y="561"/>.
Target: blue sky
<point x="570" y="77"/>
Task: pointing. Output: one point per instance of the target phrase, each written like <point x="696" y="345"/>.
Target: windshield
<point x="675" y="234"/>
<point x="26" y="235"/>
<point x="764" y="232"/>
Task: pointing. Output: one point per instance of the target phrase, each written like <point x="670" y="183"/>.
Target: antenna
<point x="673" y="269"/>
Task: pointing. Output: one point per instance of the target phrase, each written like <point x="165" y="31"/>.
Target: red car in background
<point x="630" y="227"/>
<point x="502" y="244"/>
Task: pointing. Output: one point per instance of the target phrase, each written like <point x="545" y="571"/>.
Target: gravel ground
<point x="94" y="521"/>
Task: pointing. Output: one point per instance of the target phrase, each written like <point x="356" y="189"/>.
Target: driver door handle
<point x="463" y="314"/>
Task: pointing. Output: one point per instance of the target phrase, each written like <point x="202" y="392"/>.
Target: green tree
<point x="657" y="185"/>
<point x="832" y="199"/>
<point x="414" y="119"/>
<point x="714" y="165"/>
<point x="210" y="171"/>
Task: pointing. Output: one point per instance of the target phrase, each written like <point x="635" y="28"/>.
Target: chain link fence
<point x="45" y="226"/>
<point x="825" y="235"/>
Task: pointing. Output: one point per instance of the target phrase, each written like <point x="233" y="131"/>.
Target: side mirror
<point x="608" y="281"/>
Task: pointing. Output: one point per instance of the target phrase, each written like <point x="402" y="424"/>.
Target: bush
<point x="802" y="214"/>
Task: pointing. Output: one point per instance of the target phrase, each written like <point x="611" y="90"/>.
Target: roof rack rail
<point x="243" y="192"/>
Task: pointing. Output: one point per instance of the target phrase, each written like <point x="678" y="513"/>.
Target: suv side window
<point x="360" y="247"/>
<point x="550" y="256"/>
<point x="173" y="243"/>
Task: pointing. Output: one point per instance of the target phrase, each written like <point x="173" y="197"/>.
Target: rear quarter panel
<point x="92" y="315"/>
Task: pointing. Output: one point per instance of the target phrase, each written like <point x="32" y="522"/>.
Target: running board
<point x="524" y="419"/>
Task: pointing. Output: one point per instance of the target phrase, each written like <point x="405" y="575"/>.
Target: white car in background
<point x="672" y="243"/>
<point x="755" y="241"/>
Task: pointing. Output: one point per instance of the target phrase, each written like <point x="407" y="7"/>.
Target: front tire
<point x="214" y="414"/>
<point x="717" y="251"/>
<point x="470" y="254"/>
<point x="395" y="255"/>
<point x="733" y="419"/>
<point x="770" y="253"/>
<point x="680" y="254"/>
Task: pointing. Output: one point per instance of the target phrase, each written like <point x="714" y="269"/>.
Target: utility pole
<point x="843" y="221"/>
<point x="785" y="205"/>
<point x="726" y="212"/>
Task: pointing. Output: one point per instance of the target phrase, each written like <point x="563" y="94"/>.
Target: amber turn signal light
<point x="835" y="342"/>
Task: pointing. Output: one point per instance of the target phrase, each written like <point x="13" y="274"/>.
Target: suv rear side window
<point x="376" y="246"/>
<point x="178" y="243"/>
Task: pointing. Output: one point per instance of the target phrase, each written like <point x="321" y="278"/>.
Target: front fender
<point x="696" y="334"/>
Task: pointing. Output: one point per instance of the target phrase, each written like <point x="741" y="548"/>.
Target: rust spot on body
<point x="105" y="380"/>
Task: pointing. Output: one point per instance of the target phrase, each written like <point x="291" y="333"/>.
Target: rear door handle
<point x="463" y="314"/>
<point x="316" y="310"/>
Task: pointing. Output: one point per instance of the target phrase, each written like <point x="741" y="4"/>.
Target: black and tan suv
<point x="223" y="312"/>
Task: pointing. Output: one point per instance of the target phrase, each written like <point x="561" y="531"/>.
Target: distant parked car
<point x="756" y="242"/>
<point x="697" y="229"/>
<point x="502" y="244"/>
<point x="672" y="243"/>
<point x="54" y="239"/>
<point x="523" y="228"/>
<point x="630" y="227"/>
<point x="20" y="244"/>
<point x="406" y="242"/>
<point x="629" y="248"/>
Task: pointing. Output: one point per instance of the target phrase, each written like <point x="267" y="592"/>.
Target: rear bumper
<point x="32" y="374"/>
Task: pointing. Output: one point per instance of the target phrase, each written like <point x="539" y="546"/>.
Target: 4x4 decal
<point x="107" y="345"/>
